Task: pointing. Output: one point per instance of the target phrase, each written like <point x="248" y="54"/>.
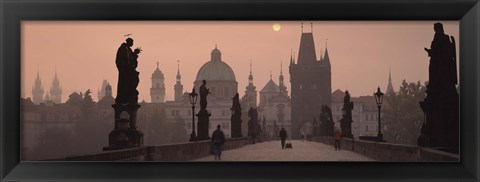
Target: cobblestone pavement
<point x="302" y="151"/>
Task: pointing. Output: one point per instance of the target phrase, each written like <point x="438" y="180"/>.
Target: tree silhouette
<point x="402" y="118"/>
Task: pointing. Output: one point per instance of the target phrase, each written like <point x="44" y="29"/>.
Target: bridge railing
<point x="390" y="152"/>
<point x="170" y="152"/>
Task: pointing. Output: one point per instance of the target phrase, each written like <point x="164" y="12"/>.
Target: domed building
<point x="219" y="76"/>
<point x="223" y="86"/>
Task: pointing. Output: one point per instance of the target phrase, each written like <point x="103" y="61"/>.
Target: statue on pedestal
<point x="346" y="121"/>
<point x="203" y="115"/>
<point x="440" y="129"/>
<point x="125" y="133"/>
<point x="236" y="121"/>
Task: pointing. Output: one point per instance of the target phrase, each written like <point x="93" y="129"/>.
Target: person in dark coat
<point x="218" y="139"/>
<point x="283" y="137"/>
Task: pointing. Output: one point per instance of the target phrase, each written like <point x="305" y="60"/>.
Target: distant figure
<point x="204" y="91"/>
<point x="337" y="136"/>
<point x="283" y="137"/>
<point x="302" y="137"/>
<point x="124" y="53"/>
<point x="218" y="139"/>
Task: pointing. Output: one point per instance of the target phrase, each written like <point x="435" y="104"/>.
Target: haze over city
<point x="361" y="53"/>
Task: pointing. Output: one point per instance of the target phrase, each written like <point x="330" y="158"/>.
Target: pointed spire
<point x="178" y="67"/>
<point x="389" y="74"/>
<point x="281" y="67"/>
<point x="390" y="90"/>
<point x="250" y="67"/>
<point x="326" y="58"/>
<point x="270" y="74"/>
<point x="157" y="64"/>
<point x="178" y="71"/>
<point x="291" y="56"/>
<point x="215" y="45"/>
<point x="302" y="27"/>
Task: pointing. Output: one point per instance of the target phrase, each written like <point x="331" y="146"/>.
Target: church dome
<point x="216" y="69"/>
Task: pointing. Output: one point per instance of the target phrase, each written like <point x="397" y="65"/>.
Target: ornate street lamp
<point x="193" y="101"/>
<point x="379" y="101"/>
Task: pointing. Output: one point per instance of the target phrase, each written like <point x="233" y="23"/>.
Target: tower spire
<point x="270" y="74"/>
<point x="157" y="64"/>
<point x="178" y="72"/>
<point x="250" y="67"/>
<point x="291" y="56"/>
<point x="281" y="67"/>
<point x="302" y="27"/>
<point x="390" y="90"/>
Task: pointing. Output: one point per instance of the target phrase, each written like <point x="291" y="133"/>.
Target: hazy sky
<point x="361" y="53"/>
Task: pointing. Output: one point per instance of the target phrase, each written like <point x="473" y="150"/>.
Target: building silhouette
<point x="311" y="83"/>
<point x="157" y="91"/>
<point x="223" y="86"/>
<point x="275" y="105"/>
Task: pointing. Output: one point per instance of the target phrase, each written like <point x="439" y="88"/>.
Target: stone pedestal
<point x="441" y="128"/>
<point x="125" y="133"/>
<point x="203" y="125"/>
<point x="236" y="124"/>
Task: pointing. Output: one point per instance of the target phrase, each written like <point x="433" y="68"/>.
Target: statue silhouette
<point x="443" y="67"/>
<point x="203" y="95"/>
<point x="126" y="62"/>
<point x="122" y="61"/>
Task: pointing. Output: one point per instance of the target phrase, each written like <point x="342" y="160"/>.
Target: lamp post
<point x="379" y="99"/>
<point x="193" y="101"/>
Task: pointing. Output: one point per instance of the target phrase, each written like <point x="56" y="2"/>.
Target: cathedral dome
<point x="216" y="69"/>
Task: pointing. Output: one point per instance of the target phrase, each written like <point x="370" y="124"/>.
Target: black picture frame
<point x="13" y="12"/>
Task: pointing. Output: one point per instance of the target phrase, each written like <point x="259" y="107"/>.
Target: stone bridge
<point x="243" y="149"/>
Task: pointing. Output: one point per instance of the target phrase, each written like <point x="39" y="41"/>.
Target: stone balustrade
<point x="170" y="152"/>
<point x="390" y="152"/>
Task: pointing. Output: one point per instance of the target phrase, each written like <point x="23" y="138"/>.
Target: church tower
<point x="178" y="86"/>
<point x="390" y="90"/>
<point x="56" y="90"/>
<point x="311" y="85"/>
<point x="37" y="91"/>
<point x="157" y="91"/>
<point x="250" y="96"/>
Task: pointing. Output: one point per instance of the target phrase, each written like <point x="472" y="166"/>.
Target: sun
<point x="276" y="27"/>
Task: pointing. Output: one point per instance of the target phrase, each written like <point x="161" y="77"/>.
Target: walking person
<point x="337" y="136"/>
<point x="283" y="137"/>
<point x="218" y="139"/>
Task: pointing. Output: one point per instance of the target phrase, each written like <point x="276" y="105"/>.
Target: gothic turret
<point x="37" y="91"/>
<point x="56" y="90"/>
